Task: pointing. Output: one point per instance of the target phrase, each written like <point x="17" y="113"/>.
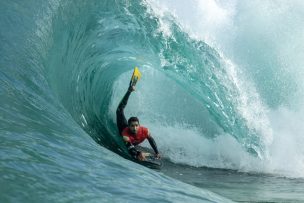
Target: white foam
<point x="201" y="19"/>
<point x="287" y="152"/>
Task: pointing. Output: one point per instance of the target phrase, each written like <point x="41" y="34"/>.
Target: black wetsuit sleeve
<point x="124" y="101"/>
<point x="120" y="116"/>
<point x="153" y="144"/>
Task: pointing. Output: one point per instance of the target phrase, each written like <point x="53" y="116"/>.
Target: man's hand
<point x="157" y="156"/>
<point x="141" y="156"/>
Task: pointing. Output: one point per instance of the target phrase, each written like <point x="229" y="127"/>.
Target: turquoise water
<point x="221" y="92"/>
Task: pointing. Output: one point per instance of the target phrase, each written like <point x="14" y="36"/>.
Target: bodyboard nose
<point x="135" y="76"/>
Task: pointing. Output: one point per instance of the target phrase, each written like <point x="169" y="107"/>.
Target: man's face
<point x="134" y="127"/>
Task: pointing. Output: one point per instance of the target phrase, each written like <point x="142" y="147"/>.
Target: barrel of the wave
<point x="150" y="157"/>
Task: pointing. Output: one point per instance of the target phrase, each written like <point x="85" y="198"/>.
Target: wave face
<point x="208" y="99"/>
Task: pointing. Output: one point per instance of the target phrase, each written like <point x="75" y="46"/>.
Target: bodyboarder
<point x="132" y="132"/>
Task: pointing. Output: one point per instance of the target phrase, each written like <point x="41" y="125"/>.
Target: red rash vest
<point x="139" y="137"/>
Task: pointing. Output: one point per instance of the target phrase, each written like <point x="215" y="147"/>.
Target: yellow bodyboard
<point x="135" y="77"/>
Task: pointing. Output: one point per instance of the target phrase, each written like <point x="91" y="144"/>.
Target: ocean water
<point x="221" y="92"/>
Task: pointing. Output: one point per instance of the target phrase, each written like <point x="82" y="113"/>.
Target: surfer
<point x="132" y="132"/>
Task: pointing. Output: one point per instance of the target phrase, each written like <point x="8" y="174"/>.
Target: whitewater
<point x="221" y="92"/>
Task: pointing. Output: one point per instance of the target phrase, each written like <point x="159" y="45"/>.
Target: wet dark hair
<point x="132" y="119"/>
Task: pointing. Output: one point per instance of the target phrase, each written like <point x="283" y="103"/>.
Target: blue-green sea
<point x="221" y="91"/>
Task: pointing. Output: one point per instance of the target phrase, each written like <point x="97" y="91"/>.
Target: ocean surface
<point x="221" y="91"/>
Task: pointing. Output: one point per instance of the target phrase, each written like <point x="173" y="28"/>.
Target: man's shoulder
<point x="145" y="130"/>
